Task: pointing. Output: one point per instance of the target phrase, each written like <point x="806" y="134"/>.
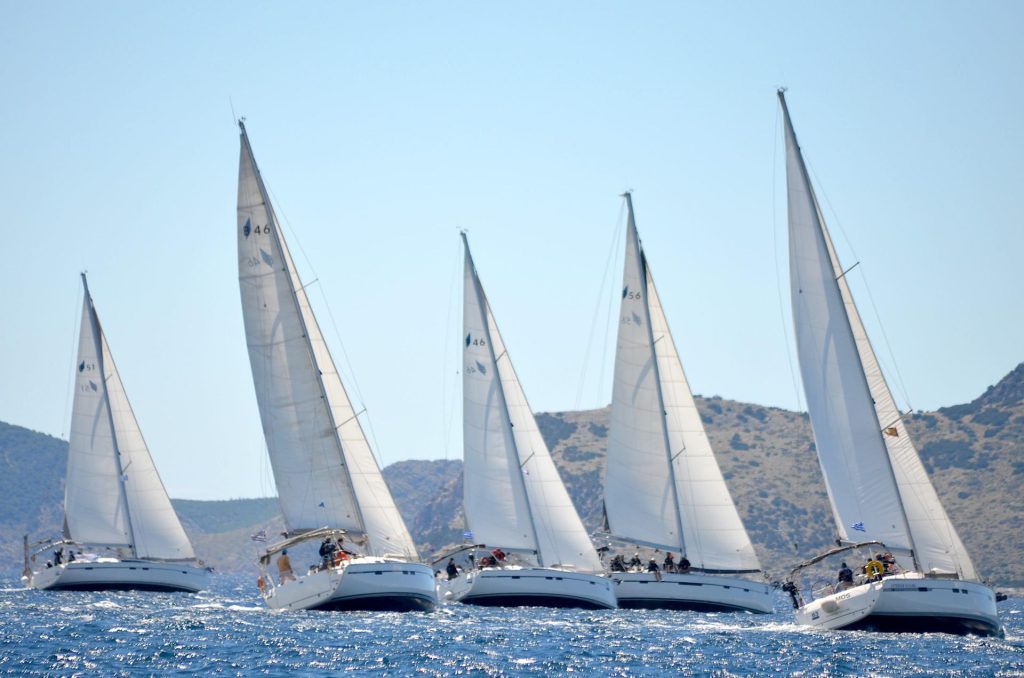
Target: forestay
<point x="513" y="495"/>
<point x="114" y="495"/>
<point x="325" y="472"/>
<point x="876" y="482"/>
<point x="663" y="486"/>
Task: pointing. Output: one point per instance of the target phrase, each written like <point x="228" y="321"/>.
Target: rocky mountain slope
<point x="975" y="453"/>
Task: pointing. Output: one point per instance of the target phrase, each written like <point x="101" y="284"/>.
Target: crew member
<point x="845" y="577"/>
<point x="284" y="567"/>
<point x="652" y="566"/>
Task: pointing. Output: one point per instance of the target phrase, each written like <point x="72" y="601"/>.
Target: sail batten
<point x="324" y="469"/>
<point x="663" y="486"/>
<point x="513" y="495"/>
<point x="877" y="485"/>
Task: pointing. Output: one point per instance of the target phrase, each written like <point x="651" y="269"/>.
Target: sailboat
<point x="663" y="487"/>
<point x="514" y="499"/>
<point x="329" y="484"/>
<point x="120" y="530"/>
<point x="880" y="493"/>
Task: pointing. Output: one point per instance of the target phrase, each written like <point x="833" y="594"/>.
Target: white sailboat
<point x="120" y="530"/>
<point x="514" y="499"/>
<point x="879" y="490"/>
<point x="328" y="481"/>
<point x="663" y="487"/>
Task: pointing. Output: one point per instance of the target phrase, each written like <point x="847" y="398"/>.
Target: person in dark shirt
<point x="845" y="577"/>
<point x="670" y="563"/>
<point x="652" y="566"/>
<point x="452" y="569"/>
<point x="684" y="564"/>
<point x="327" y="548"/>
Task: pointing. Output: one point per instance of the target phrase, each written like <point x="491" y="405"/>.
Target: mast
<point x="99" y="339"/>
<point x="838" y="287"/>
<point x="286" y="259"/>
<point x="657" y="377"/>
<point x="485" y="308"/>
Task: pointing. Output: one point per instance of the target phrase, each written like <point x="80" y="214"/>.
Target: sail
<point x="663" y="486"/>
<point x="323" y="466"/>
<point x="114" y="494"/>
<point x="876" y="483"/>
<point x="94" y="504"/>
<point x="513" y="495"/>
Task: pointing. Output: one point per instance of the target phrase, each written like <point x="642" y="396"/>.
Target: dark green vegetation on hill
<point x="975" y="453"/>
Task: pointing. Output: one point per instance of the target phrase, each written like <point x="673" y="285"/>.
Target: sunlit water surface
<point x="228" y="631"/>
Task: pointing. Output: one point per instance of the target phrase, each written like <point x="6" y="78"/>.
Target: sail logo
<point x="625" y="291"/>
<point x="247" y="229"/>
<point x="480" y="366"/>
<point x="93" y="386"/>
<point x="81" y="366"/>
<point x="269" y="260"/>
<point x="468" y="338"/>
<point x="859" y="526"/>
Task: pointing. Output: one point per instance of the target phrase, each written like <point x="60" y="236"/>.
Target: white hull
<point x="517" y="586"/>
<point x="109" y="574"/>
<point x="362" y="584"/>
<point x="691" y="591"/>
<point x="907" y="603"/>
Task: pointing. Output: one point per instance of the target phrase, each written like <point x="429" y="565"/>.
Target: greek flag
<point x="859" y="527"/>
<point x="259" y="536"/>
<point x="467" y="534"/>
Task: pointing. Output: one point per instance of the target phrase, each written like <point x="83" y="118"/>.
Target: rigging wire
<point x="79" y="294"/>
<point x="778" y="271"/>
<point x="867" y="287"/>
<point x="374" y="447"/>
<point x="602" y="293"/>
<point x="448" y="402"/>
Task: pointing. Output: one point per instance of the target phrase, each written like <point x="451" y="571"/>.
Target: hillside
<point x="975" y="453"/>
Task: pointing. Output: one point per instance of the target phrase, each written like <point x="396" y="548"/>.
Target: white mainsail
<point x="325" y="472"/>
<point x="114" y="495"/>
<point x="513" y="495"/>
<point x="663" y="486"/>
<point x="876" y="482"/>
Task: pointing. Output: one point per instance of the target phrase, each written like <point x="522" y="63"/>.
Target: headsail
<point x="513" y="495"/>
<point x="114" y="495"/>
<point x="325" y="472"/>
<point x="877" y="485"/>
<point x="663" y="485"/>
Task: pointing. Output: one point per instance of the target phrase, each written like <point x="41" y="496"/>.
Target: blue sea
<point x="227" y="631"/>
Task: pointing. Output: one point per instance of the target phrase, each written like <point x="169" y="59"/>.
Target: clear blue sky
<point x="384" y="128"/>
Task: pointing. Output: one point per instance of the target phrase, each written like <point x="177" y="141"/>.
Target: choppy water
<point x="228" y="631"/>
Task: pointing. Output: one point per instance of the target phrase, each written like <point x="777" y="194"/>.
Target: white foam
<point x="107" y="605"/>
